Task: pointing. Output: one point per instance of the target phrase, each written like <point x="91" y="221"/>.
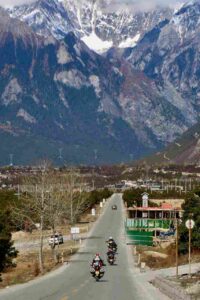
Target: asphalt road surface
<point x="74" y="282"/>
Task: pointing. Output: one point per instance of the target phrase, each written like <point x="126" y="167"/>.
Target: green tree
<point x="96" y="196"/>
<point x="133" y="197"/>
<point x="191" y="209"/>
<point x="6" y="199"/>
<point x="7" y="251"/>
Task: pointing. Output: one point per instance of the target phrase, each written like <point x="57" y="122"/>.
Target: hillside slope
<point x="185" y="150"/>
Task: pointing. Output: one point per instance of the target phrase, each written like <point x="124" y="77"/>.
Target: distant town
<point x="173" y="177"/>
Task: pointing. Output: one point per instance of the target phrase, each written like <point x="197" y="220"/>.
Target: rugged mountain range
<point x="92" y="21"/>
<point x="60" y="99"/>
<point x="63" y="94"/>
<point x="169" y="54"/>
<point x="52" y="89"/>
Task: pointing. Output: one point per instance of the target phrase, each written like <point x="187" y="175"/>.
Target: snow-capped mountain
<point x="99" y="27"/>
<point x="54" y="87"/>
<point x="59" y="93"/>
<point x="46" y="18"/>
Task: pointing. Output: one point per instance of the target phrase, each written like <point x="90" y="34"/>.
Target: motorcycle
<point x="111" y="257"/>
<point x="97" y="271"/>
<point x="113" y="247"/>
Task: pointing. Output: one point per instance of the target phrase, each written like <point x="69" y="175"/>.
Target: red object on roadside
<point x="166" y="206"/>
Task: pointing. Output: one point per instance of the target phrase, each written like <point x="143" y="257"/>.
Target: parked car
<point x="114" y="207"/>
<point x="56" y="239"/>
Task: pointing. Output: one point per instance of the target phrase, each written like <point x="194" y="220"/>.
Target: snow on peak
<point x="96" y="44"/>
<point x="91" y="21"/>
<point x="130" y="42"/>
<point x="26" y="116"/>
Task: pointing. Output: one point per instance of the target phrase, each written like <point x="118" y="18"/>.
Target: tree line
<point x="48" y="199"/>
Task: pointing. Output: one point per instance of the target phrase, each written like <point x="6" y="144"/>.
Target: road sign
<point x="145" y="198"/>
<point x="189" y="224"/>
<point x="93" y="212"/>
<point x="75" y="230"/>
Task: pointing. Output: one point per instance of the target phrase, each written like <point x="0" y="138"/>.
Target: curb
<point x="170" y="289"/>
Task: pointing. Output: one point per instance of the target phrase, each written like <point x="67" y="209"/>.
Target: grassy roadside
<point x="28" y="267"/>
<point x="159" y="258"/>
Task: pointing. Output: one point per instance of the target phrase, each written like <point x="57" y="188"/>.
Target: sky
<point x="143" y="4"/>
<point x="115" y="3"/>
<point x="8" y="3"/>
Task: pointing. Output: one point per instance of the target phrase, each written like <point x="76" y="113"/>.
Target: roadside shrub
<point x="7" y="251"/>
<point x="191" y="209"/>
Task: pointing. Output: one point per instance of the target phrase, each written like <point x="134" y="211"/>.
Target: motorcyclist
<point x="111" y="242"/>
<point x="97" y="260"/>
<point x="97" y="271"/>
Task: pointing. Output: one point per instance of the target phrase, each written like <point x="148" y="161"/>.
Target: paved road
<point x="73" y="282"/>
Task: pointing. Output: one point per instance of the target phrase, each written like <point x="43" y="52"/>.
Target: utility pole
<point x="18" y="191"/>
<point x="189" y="251"/>
<point x="60" y="157"/>
<point x="71" y="196"/>
<point x="93" y="185"/>
<point x="95" y="155"/>
<point x="11" y="159"/>
<point x="190" y="225"/>
<point x="177" y="238"/>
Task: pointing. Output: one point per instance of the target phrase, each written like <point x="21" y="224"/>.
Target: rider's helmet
<point x="110" y="238"/>
<point x="97" y="256"/>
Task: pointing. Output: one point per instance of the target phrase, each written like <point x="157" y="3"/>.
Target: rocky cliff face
<point x="169" y="54"/>
<point x="185" y="150"/>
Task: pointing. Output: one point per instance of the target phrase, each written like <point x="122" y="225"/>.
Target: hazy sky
<point x="115" y="3"/>
<point x="143" y="4"/>
<point x="13" y="2"/>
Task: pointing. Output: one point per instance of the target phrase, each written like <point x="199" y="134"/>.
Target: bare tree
<point x="34" y="204"/>
<point x="50" y="197"/>
<point x="74" y="195"/>
<point x="55" y="207"/>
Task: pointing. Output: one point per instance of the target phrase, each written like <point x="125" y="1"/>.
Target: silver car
<point x="56" y="239"/>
